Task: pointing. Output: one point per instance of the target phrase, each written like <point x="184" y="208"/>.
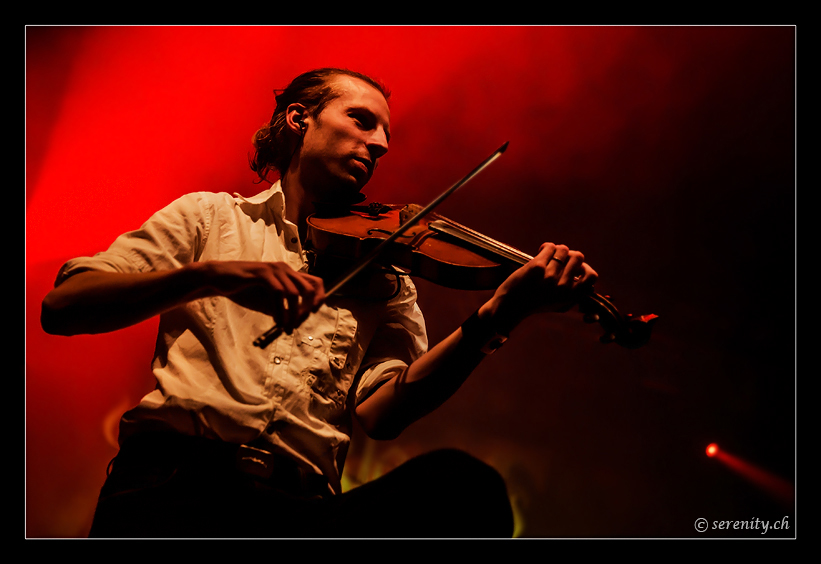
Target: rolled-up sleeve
<point x="172" y="237"/>
<point x="397" y="342"/>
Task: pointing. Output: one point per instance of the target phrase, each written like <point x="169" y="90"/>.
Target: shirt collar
<point x="273" y="197"/>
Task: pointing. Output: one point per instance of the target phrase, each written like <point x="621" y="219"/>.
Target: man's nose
<point x="378" y="143"/>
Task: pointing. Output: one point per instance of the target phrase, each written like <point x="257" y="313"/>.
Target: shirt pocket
<point x="327" y="338"/>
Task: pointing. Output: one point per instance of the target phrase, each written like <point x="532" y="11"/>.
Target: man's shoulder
<point x="211" y="197"/>
<point x="202" y="202"/>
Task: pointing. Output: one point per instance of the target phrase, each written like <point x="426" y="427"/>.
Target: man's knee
<point x="473" y="493"/>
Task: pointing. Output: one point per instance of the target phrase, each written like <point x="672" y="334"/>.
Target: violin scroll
<point x="629" y="331"/>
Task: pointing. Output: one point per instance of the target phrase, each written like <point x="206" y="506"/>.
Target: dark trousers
<point x="445" y="493"/>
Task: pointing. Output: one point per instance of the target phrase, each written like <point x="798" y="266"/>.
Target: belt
<point x="253" y="460"/>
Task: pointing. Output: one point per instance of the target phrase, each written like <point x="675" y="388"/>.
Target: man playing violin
<point x="244" y="441"/>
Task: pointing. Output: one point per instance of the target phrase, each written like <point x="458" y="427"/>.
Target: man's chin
<point x="342" y="194"/>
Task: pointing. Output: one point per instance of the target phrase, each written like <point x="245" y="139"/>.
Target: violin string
<point x="479" y="239"/>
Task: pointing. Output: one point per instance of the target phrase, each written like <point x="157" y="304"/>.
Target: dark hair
<point x="273" y="142"/>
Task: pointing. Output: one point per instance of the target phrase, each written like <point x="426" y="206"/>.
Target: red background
<point x="665" y="154"/>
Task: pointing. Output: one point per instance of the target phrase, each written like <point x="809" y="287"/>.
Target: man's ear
<point x="295" y="116"/>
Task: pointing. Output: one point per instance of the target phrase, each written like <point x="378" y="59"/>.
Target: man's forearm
<point x="424" y="386"/>
<point x="97" y="302"/>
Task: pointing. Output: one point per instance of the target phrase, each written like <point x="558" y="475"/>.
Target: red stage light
<point x="712" y="449"/>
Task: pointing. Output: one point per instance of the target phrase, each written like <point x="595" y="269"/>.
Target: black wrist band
<point x="481" y="332"/>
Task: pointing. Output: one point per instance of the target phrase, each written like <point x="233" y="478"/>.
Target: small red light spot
<point x="712" y="449"/>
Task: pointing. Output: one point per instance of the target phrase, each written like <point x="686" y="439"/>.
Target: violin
<point x="439" y="250"/>
<point x="449" y="254"/>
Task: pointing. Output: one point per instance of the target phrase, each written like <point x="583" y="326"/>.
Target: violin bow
<point x="268" y="337"/>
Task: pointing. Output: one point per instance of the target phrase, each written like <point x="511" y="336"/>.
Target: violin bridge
<point x="409" y="212"/>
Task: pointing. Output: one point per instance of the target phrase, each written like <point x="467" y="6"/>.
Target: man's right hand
<point x="274" y="288"/>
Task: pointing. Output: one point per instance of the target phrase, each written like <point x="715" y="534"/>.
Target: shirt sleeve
<point x="397" y="342"/>
<point x="172" y="237"/>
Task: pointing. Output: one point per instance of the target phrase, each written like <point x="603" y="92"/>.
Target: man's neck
<point x="298" y="205"/>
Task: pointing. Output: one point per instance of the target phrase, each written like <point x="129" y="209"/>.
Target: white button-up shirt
<point x="298" y="392"/>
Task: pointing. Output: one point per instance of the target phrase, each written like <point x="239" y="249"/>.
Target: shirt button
<point x="277" y="360"/>
<point x="310" y="338"/>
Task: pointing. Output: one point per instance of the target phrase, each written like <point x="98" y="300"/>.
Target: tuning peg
<point x="591" y="317"/>
<point x="607" y="338"/>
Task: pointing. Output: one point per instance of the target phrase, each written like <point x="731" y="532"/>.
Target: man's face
<point x="341" y="146"/>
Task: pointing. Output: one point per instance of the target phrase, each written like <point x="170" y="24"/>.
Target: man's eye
<point x="360" y="119"/>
